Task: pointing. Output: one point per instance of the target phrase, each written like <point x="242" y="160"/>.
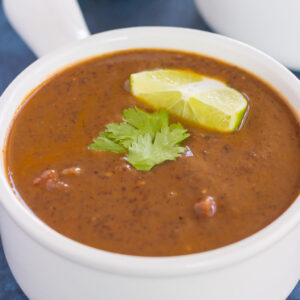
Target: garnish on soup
<point x="193" y="97"/>
<point x="147" y="138"/>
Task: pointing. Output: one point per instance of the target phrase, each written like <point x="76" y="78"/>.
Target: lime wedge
<point x="193" y="97"/>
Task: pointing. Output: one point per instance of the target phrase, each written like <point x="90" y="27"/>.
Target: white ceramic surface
<point x="47" y="265"/>
<point x="46" y="25"/>
<point x="270" y="25"/>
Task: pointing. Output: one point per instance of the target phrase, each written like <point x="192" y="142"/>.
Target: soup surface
<point x="99" y="200"/>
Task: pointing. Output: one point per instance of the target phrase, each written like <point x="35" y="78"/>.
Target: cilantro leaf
<point x="144" y="153"/>
<point x="145" y="122"/>
<point x="104" y="143"/>
<point x="147" y="137"/>
<point x="122" y="133"/>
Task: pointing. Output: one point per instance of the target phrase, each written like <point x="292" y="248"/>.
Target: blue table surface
<point x="100" y="15"/>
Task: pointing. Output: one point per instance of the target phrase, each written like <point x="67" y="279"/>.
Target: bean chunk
<point x="51" y="180"/>
<point x="206" y="207"/>
<point x="45" y="176"/>
<point x="71" y="171"/>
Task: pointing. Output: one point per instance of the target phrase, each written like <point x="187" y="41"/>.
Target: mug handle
<point x="46" y="25"/>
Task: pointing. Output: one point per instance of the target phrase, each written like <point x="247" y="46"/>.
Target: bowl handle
<point x="46" y="25"/>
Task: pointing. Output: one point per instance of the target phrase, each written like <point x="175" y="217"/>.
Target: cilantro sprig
<point x="147" y="138"/>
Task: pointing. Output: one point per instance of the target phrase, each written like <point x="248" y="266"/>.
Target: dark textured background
<point x="100" y="15"/>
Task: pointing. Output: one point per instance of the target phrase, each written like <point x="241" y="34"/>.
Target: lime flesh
<point x="193" y="97"/>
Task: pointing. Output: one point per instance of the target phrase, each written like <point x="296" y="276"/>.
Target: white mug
<point x="270" y="25"/>
<point x="48" y="266"/>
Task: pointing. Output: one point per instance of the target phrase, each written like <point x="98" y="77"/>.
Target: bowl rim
<point x="129" y="264"/>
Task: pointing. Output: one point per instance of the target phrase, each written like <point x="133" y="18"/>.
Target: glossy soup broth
<point x="98" y="199"/>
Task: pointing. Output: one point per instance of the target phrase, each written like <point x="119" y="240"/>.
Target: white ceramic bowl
<point x="48" y="266"/>
<point x="272" y="26"/>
